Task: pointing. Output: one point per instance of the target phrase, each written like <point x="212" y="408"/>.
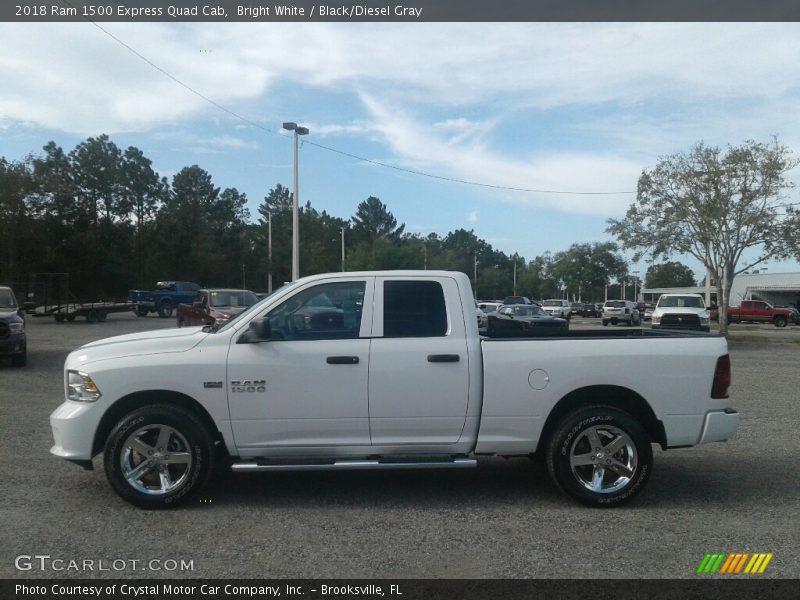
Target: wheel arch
<point x="619" y="397"/>
<point x="140" y="399"/>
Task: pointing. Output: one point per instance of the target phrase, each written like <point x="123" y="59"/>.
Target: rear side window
<point x="413" y="309"/>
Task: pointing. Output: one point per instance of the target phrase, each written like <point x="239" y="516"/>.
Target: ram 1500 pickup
<point x="385" y="370"/>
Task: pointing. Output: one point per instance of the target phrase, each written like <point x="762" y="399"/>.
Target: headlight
<point x="656" y="320"/>
<point x="81" y="388"/>
<point x="17" y="327"/>
<point x="704" y="320"/>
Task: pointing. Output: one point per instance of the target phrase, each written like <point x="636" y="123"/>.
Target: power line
<point x="336" y="150"/>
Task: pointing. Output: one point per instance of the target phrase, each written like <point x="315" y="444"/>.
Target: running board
<point x="353" y="465"/>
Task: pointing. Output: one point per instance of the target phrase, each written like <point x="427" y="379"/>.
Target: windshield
<point x="681" y="302"/>
<point x="551" y="303"/>
<point x="233" y="298"/>
<point x="525" y="310"/>
<point x="254" y="307"/>
<point x="168" y="286"/>
<point x="7" y="299"/>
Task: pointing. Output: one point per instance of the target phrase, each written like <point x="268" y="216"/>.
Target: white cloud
<point x="472" y="217"/>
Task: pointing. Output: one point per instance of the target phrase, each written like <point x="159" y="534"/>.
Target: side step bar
<point x="352" y="465"/>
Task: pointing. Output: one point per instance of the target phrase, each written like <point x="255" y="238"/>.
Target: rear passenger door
<point x="418" y="368"/>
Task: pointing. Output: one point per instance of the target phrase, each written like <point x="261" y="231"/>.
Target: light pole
<point x="635" y="284"/>
<point x="269" y="252"/>
<point x="514" y="293"/>
<point x="342" y="228"/>
<point x="475" y="275"/>
<point x="298" y="131"/>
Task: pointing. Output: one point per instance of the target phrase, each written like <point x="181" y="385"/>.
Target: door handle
<point x="439" y="358"/>
<point x="342" y="360"/>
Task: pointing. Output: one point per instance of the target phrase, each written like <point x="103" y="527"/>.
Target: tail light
<point x="722" y="377"/>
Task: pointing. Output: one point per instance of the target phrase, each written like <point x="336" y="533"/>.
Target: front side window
<point x="329" y="311"/>
<point x="414" y="309"/>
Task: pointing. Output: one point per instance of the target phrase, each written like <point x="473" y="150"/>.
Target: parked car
<point x="681" y="311"/>
<point x="758" y="311"/>
<point x="407" y="383"/>
<point x="214" y="306"/>
<point x="590" y="310"/>
<point x="557" y="308"/>
<point x="164" y="298"/>
<point x="509" y="300"/>
<point x="620" y="311"/>
<point x="483" y="320"/>
<point x="576" y="309"/>
<point x="489" y="307"/>
<point x="649" y="307"/>
<point x="13" y="342"/>
<point x="521" y="320"/>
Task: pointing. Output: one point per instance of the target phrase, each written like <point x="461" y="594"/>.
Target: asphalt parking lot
<point x="504" y="519"/>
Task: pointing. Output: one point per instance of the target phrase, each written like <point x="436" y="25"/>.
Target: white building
<point x="779" y="289"/>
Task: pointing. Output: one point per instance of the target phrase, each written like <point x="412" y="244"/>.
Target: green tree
<point x="725" y="208"/>
<point x="669" y="274"/>
<point x="583" y="270"/>
<point x="373" y="220"/>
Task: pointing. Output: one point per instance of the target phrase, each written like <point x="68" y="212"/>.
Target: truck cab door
<point x="418" y="368"/>
<point x="307" y="386"/>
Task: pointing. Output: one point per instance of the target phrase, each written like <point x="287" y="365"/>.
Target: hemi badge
<point x="212" y="384"/>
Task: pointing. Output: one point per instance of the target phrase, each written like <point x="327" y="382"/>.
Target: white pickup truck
<point x="385" y="370"/>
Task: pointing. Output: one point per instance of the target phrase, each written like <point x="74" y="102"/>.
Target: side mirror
<point x="258" y="331"/>
<point x="21" y="313"/>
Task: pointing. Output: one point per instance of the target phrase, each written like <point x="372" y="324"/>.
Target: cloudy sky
<point x="561" y="107"/>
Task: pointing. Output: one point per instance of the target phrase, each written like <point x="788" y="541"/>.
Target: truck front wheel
<point x="159" y="456"/>
<point x="142" y="311"/>
<point x="780" y="321"/>
<point x="600" y="456"/>
<point x="165" y="309"/>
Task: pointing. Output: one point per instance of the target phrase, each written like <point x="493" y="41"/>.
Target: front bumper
<point x="74" y="425"/>
<point x="719" y="426"/>
<point x="13" y="344"/>
<point x="705" y="328"/>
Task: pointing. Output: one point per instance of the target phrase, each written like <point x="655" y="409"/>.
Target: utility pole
<point x="475" y="275"/>
<point x="342" y="228"/>
<point x="298" y="131"/>
<point x="269" y="252"/>
<point x="515" y="276"/>
<point x="425" y="255"/>
<point x="244" y="282"/>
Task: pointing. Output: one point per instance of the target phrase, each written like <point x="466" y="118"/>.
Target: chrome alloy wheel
<point x="603" y="459"/>
<point x="155" y="459"/>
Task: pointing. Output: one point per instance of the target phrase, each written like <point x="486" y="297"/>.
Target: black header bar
<point x="267" y="11"/>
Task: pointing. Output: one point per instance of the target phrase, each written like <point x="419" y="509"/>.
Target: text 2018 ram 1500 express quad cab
<point x="385" y="370"/>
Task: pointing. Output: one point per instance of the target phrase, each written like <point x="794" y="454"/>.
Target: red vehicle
<point x="758" y="311"/>
<point x="215" y="306"/>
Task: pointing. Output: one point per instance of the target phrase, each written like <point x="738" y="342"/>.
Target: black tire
<point x="570" y="441"/>
<point x="19" y="360"/>
<point x="101" y="316"/>
<point x="780" y="321"/>
<point x="197" y="443"/>
<point x="92" y="316"/>
<point x="58" y="318"/>
<point x="605" y="323"/>
<point x="180" y="322"/>
<point x="165" y="309"/>
<point x="142" y="311"/>
<point x="70" y="318"/>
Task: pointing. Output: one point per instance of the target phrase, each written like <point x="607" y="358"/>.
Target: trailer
<point x="49" y="295"/>
<point x="93" y="312"/>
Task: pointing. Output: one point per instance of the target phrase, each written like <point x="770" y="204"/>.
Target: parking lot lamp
<point x="298" y="131"/>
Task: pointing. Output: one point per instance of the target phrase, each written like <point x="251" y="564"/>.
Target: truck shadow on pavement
<point x="682" y="481"/>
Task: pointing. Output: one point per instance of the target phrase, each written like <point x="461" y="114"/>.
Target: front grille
<point x="682" y="321"/>
<point x="4" y="330"/>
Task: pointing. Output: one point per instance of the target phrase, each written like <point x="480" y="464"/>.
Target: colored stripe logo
<point x="734" y="563"/>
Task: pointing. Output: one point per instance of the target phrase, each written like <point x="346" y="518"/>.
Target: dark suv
<point x="12" y="329"/>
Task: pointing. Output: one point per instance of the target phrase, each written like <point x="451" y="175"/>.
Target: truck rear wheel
<point x="142" y="311"/>
<point x="600" y="456"/>
<point x="159" y="456"/>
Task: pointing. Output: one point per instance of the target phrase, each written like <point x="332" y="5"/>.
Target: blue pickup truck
<point x="164" y="299"/>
